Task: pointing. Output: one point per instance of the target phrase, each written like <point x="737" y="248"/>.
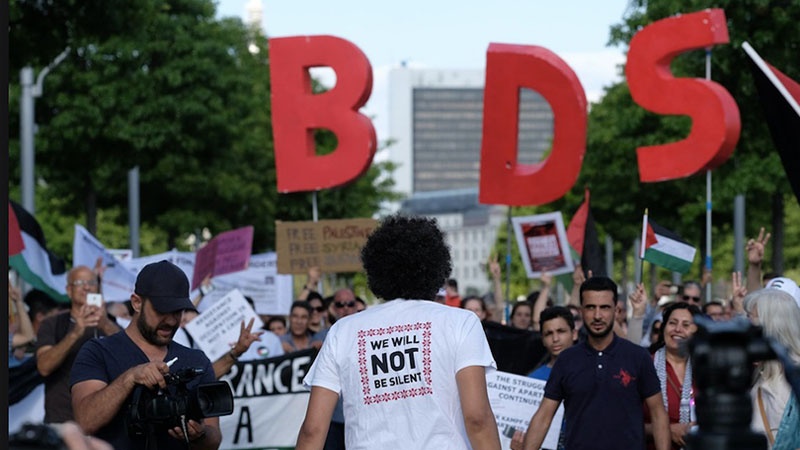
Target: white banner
<point x="269" y="402"/>
<point x="118" y="281"/>
<point x="514" y="400"/>
<point x="218" y="327"/>
<point x="271" y="292"/>
<point x="184" y="260"/>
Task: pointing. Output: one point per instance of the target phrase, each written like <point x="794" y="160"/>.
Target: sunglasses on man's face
<point x="348" y="304"/>
<point x="691" y="298"/>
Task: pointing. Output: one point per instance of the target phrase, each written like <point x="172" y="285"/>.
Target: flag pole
<point x="640" y="273"/>
<point x="510" y="231"/>
<point x="708" y="197"/>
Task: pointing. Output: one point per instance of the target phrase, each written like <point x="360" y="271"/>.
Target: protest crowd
<point x="411" y="371"/>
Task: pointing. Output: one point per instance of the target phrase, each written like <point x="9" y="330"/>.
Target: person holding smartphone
<point x="62" y="335"/>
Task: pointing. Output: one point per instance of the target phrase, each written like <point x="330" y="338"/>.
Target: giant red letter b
<point x="297" y="111"/>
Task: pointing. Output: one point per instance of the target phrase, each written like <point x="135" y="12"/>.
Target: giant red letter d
<point x="503" y="180"/>
<point x="296" y="112"/>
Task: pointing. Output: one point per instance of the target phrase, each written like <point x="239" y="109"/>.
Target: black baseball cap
<point x="166" y="286"/>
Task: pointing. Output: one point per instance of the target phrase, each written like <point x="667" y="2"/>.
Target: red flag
<point x="576" y="231"/>
<point x="15" y="242"/>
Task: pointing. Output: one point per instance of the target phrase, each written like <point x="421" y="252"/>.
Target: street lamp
<point x="30" y="92"/>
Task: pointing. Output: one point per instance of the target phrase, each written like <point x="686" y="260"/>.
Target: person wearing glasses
<point x="318" y="320"/>
<point x="62" y="335"/>
<point x="344" y="303"/>
<point x="692" y="293"/>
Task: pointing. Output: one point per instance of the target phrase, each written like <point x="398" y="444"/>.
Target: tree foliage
<point x="164" y="86"/>
<point x="617" y="126"/>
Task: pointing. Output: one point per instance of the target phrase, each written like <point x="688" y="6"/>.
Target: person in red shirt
<point x="451" y="293"/>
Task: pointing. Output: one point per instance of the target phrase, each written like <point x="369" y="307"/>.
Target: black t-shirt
<point x="57" y="400"/>
<point x="107" y="359"/>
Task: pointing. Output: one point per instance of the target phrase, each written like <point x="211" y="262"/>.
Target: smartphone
<point x="509" y="431"/>
<point x="94" y="300"/>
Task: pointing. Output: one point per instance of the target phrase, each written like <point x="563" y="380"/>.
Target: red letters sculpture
<point x="715" y="116"/>
<point x="502" y="179"/>
<point x="296" y="112"/>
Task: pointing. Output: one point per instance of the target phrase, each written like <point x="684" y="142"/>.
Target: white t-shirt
<point x="395" y="366"/>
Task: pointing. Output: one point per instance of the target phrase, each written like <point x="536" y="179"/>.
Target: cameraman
<point x="107" y="371"/>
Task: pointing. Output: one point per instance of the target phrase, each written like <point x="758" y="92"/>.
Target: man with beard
<point x="107" y="371"/>
<point x="602" y="383"/>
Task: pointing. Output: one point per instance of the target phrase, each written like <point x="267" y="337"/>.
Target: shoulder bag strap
<point x="764" y="418"/>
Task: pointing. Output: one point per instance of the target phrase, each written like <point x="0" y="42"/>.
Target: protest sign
<point x="218" y="327"/>
<point x="271" y="292"/>
<point x="118" y="281"/>
<point x="543" y="244"/>
<point x="227" y="252"/>
<point x="332" y="245"/>
<point x="269" y="402"/>
<point x="514" y="400"/>
<point x="184" y="260"/>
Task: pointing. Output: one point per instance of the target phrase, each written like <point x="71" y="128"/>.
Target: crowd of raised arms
<point x="613" y="359"/>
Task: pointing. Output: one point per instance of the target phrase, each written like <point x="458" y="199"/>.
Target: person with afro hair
<point x="411" y="372"/>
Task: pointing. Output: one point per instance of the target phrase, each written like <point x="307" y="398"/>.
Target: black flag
<point x="780" y="99"/>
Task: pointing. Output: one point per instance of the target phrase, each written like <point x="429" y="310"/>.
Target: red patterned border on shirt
<point x="426" y="362"/>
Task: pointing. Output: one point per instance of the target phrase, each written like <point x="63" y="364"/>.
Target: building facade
<point x="470" y="228"/>
<point x="435" y="124"/>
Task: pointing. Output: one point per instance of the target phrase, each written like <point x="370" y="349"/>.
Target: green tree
<point x="181" y="96"/>
<point x="617" y="126"/>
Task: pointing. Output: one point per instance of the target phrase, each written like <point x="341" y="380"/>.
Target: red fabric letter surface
<point x="715" y="116"/>
<point x="296" y="112"/>
<point x="503" y="180"/>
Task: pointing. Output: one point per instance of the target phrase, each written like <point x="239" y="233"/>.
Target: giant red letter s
<point x="503" y="180"/>
<point x="715" y="116"/>
<point x="296" y="112"/>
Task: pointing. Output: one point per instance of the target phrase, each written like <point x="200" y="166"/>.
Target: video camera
<point x="176" y="404"/>
<point x="723" y="362"/>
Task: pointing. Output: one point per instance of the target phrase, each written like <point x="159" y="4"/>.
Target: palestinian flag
<point x="584" y="244"/>
<point x="780" y="100"/>
<point x="28" y="254"/>
<point x="665" y="248"/>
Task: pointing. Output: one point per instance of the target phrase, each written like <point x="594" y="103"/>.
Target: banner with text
<point x="543" y="245"/>
<point x="184" y="260"/>
<point x="332" y="245"/>
<point x="514" y="400"/>
<point x="218" y="327"/>
<point x="269" y="402"/>
<point x="271" y="292"/>
<point x="117" y="280"/>
<point x="226" y="253"/>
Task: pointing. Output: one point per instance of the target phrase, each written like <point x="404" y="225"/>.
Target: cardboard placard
<point x="228" y="252"/>
<point x="332" y="245"/>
